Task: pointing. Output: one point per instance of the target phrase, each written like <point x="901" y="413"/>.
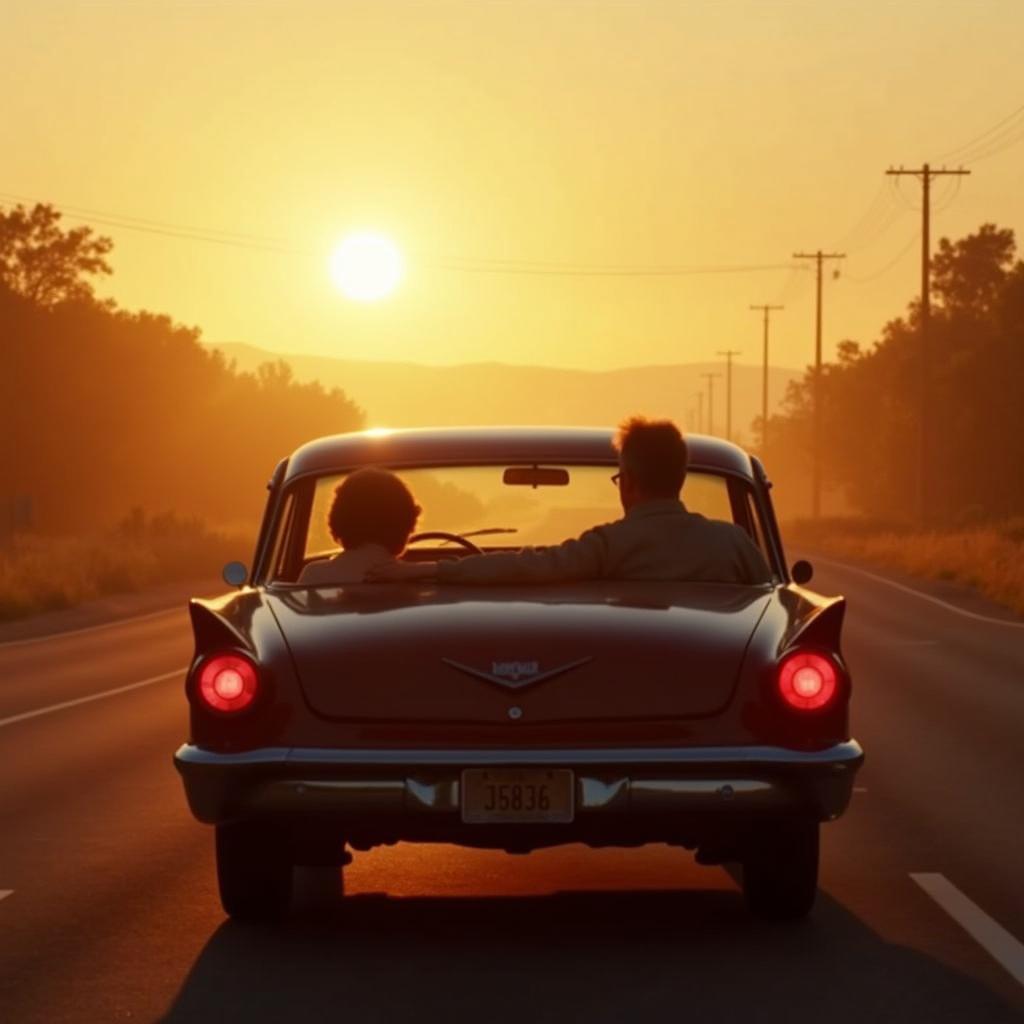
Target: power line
<point x="993" y="135"/>
<point x="454" y="264"/>
<point x="888" y="266"/>
<point x="610" y="271"/>
<point x="126" y="220"/>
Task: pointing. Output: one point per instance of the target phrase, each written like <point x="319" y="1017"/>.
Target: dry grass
<point x="40" y="573"/>
<point x="988" y="558"/>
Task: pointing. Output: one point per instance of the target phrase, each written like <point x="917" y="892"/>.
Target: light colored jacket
<point x="348" y="566"/>
<point x="658" y="540"/>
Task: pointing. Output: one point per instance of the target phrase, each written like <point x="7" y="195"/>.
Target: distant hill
<point x="410" y="394"/>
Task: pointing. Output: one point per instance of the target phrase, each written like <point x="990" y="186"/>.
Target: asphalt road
<point x="108" y="909"/>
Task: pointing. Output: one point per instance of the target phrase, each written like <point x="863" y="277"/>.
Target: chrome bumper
<point x="636" y="782"/>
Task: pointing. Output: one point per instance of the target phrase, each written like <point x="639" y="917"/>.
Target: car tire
<point x="254" y="872"/>
<point x="780" y="871"/>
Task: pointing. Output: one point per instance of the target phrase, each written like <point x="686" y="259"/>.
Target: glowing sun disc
<point x="366" y="266"/>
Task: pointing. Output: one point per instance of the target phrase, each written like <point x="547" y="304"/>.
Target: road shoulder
<point x="109" y="610"/>
<point x="960" y="596"/>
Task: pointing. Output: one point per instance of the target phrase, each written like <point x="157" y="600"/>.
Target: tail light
<point x="807" y="681"/>
<point x="228" y="683"/>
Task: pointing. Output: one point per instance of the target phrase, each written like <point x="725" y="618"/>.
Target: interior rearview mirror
<point x="235" y="574"/>
<point x="802" y="571"/>
<point x="536" y="476"/>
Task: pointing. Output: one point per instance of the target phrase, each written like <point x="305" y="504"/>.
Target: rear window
<point x="477" y="501"/>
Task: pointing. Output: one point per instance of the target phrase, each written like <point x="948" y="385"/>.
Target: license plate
<point x="516" y="795"/>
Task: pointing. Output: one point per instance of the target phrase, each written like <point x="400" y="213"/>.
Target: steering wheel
<point x="444" y="535"/>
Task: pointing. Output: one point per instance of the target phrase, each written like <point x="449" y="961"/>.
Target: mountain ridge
<point x="403" y="394"/>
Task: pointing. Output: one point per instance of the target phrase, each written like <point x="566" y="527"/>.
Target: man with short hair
<point x="657" y="538"/>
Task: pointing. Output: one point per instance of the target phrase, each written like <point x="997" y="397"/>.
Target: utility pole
<point x="700" y="412"/>
<point x="819" y="257"/>
<point x="727" y="356"/>
<point x="710" y="378"/>
<point x="767" y="310"/>
<point x="925" y="173"/>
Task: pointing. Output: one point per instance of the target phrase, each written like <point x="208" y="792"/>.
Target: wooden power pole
<point x="925" y="173"/>
<point x="710" y="378"/>
<point x="767" y="310"/>
<point x="727" y="356"/>
<point x="819" y="257"/>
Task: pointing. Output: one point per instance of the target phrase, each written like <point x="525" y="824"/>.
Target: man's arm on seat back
<point x="752" y="564"/>
<point x="582" y="558"/>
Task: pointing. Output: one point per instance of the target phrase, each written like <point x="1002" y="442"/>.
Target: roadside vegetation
<point x="972" y="528"/>
<point x="988" y="558"/>
<point x="870" y="403"/>
<point x="46" y="573"/>
<point x="103" y="410"/>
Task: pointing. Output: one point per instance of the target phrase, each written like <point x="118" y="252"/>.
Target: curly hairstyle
<point x="372" y="506"/>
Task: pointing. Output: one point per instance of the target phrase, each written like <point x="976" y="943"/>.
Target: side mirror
<point x="234" y="574"/>
<point x="802" y="571"/>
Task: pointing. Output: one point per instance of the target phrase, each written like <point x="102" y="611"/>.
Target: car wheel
<point x="780" y="871"/>
<point x="254" y="871"/>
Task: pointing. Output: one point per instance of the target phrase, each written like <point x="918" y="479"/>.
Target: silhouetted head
<point x="373" y="506"/>
<point x="652" y="460"/>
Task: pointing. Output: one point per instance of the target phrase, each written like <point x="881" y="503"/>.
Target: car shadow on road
<point x="580" y="956"/>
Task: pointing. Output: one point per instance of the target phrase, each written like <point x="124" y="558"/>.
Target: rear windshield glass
<point x="477" y="501"/>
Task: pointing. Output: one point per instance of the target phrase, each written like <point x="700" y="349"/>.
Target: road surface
<point x="108" y="910"/>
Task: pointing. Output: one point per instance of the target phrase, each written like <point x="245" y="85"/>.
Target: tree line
<point x="103" y="410"/>
<point x="871" y="401"/>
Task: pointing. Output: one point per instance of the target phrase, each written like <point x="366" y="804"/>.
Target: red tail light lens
<point x="807" y="681"/>
<point x="228" y="683"/>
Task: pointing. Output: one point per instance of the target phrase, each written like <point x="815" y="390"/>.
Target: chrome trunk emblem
<point x="514" y="675"/>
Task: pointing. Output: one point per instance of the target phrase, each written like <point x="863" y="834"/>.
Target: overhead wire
<point x="610" y="271"/>
<point x="128" y="221"/>
<point x="888" y="266"/>
<point x="456" y="264"/>
<point x="1010" y="124"/>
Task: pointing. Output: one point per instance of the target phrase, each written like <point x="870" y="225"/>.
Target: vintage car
<point x="712" y="716"/>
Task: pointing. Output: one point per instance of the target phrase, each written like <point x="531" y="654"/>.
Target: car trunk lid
<point x="591" y="652"/>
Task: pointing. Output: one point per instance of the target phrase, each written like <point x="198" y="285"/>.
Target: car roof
<point x="476" y="445"/>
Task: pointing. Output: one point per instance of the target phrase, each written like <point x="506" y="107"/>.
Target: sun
<point x="366" y="266"/>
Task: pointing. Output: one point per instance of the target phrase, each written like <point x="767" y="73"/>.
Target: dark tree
<point x="968" y="275"/>
<point x="45" y="263"/>
<point x="871" y="399"/>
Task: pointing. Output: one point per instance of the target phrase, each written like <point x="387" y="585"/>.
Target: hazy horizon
<point x="606" y="136"/>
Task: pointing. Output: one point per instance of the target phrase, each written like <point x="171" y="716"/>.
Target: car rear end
<point x="707" y="716"/>
<point x="711" y="716"/>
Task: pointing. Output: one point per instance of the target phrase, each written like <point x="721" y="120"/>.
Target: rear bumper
<point x="417" y="791"/>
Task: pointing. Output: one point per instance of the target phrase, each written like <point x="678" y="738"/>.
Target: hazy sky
<point x="565" y="131"/>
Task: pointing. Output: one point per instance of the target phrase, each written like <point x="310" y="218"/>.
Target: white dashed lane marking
<point x="179" y="672"/>
<point x="987" y="932"/>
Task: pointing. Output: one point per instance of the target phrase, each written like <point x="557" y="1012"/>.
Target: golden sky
<point x="571" y="132"/>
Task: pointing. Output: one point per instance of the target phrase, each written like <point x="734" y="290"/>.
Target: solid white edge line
<point x="920" y="594"/>
<point x="93" y="696"/>
<point x="987" y="932"/>
<point x="26" y="641"/>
